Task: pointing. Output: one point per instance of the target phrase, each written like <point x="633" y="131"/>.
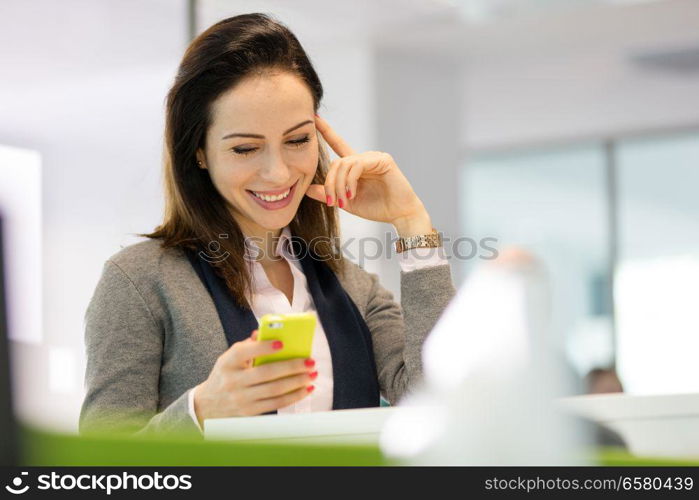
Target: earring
<point x="198" y="163"/>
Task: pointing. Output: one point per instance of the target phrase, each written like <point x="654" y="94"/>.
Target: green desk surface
<point x="43" y="448"/>
<point x="619" y="457"/>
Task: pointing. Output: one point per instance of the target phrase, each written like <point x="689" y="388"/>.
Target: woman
<point x="251" y="228"/>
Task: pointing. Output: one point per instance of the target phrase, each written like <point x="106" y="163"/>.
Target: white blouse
<point x="268" y="299"/>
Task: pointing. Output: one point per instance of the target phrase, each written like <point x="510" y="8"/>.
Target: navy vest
<point x="355" y="382"/>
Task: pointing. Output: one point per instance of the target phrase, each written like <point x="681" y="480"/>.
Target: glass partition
<point x="553" y="203"/>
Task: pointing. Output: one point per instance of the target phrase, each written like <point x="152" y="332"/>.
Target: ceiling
<point x="479" y="29"/>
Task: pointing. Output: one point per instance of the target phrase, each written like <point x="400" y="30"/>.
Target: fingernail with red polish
<point x="314" y="374"/>
<point x="349" y="194"/>
<point x="310" y="388"/>
<point x="277" y="345"/>
<point x="339" y="202"/>
<point x="329" y="199"/>
<point x="309" y="363"/>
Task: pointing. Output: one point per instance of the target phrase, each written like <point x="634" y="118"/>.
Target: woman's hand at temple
<point x="369" y="185"/>
<point x="235" y="388"/>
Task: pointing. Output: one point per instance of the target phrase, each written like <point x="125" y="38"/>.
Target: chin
<point x="276" y="221"/>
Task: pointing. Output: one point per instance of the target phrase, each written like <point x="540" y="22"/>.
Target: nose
<point x="275" y="171"/>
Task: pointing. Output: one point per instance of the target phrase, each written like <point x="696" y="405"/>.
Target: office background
<point x="569" y="127"/>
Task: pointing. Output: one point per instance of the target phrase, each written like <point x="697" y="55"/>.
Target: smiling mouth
<point x="273" y="196"/>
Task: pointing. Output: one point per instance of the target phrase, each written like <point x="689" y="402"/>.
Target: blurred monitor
<point x="8" y="452"/>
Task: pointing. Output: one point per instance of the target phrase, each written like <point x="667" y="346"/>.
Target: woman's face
<point x="262" y="149"/>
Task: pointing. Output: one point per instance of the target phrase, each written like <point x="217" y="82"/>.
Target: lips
<point x="277" y="204"/>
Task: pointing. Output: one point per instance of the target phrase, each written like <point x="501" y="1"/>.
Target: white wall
<point x="419" y="124"/>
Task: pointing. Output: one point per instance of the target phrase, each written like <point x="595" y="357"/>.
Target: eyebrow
<point x="258" y="136"/>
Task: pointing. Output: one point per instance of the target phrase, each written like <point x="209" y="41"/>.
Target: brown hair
<point x="195" y="212"/>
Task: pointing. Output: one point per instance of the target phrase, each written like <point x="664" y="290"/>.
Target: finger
<point x="267" y="405"/>
<point x="341" y="182"/>
<point x="329" y="185"/>
<point x="333" y="139"/>
<point x="353" y="179"/>
<point x="253" y="336"/>
<point x="279" y="387"/>
<point x="241" y="353"/>
<point x="276" y="370"/>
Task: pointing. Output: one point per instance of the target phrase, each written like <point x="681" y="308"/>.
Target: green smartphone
<point x="295" y="330"/>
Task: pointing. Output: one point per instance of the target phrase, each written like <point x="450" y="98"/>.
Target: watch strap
<point x="430" y="240"/>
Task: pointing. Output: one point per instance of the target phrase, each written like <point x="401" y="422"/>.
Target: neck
<point x="266" y="239"/>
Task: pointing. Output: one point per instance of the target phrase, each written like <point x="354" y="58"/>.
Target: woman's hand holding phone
<point x="235" y="388"/>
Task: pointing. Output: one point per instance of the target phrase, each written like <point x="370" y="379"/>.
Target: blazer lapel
<point x="238" y="323"/>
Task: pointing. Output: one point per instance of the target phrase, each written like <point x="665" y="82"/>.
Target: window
<point x="657" y="283"/>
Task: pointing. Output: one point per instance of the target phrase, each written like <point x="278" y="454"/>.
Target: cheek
<point x="227" y="180"/>
<point x="308" y="162"/>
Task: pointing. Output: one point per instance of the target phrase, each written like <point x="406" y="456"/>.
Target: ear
<point x="201" y="159"/>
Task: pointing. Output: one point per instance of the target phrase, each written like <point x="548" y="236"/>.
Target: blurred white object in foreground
<point x="494" y="369"/>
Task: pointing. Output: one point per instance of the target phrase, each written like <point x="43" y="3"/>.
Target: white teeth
<point x="272" y="198"/>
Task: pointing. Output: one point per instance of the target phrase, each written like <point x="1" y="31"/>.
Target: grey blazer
<point x="152" y="332"/>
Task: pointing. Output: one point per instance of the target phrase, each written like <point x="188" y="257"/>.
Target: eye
<point x="243" y="151"/>
<point x="299" y="142"/>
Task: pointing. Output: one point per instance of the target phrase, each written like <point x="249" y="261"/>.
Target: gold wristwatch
<point x="431" y="240"/>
